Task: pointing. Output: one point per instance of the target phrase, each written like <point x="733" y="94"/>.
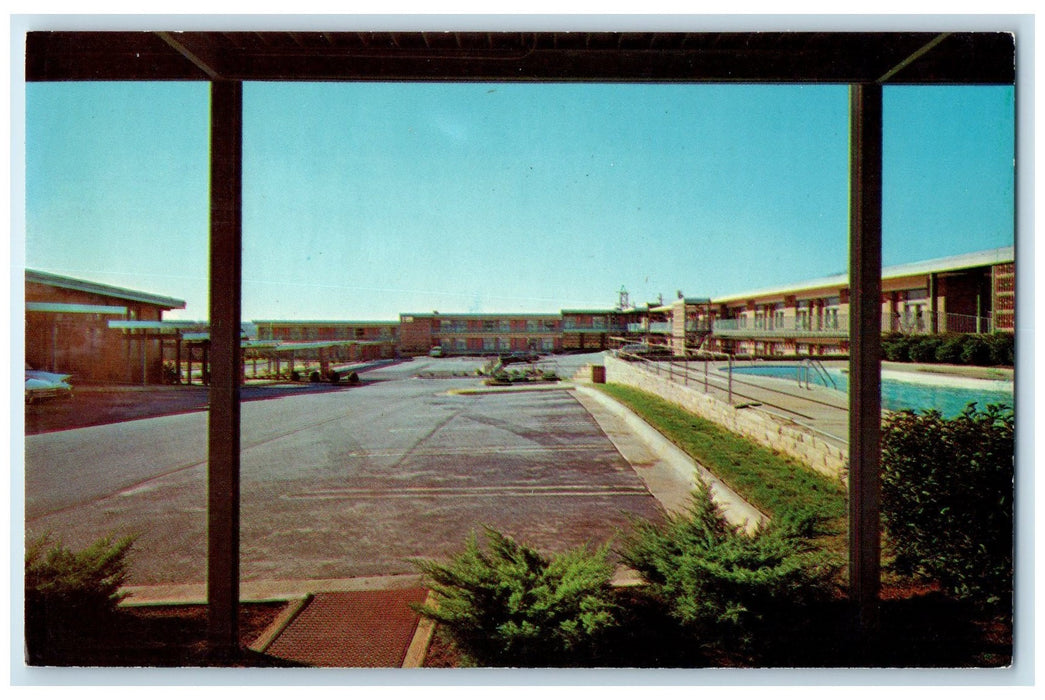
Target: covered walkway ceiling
<point x="769" y="57"/>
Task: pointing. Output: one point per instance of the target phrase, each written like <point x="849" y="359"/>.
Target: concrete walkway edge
<point x="262" y="591"/>
<point x="684" y="468"/>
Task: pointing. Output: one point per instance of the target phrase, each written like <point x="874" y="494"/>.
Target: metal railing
<point x="810" y="367"/>
<point x="791" y="327"/>
<point x="594" y="327"/>
<point x="738" y="392"/>
<point x="838" y="326"/>
<point x="495" y="331"/>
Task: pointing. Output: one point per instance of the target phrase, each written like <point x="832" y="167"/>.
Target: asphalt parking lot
<point x="343" y="483"/>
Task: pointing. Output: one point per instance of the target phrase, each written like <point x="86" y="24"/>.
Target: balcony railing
<point x="456" y="330"/>
<point x="593" y="328"/>
<point x="838" y="326"/>
<point x="832" y="326"/>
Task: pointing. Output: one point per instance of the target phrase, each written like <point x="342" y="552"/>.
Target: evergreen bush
<point x="947" y="499"/>
<point x="732" y="588"/>
<point x="1002" y="348"/>
<point x="976" y="350"/>
<point x="950" y="350"/>
<point x="894" y="347"/>
<point x="508" y="605"/>
<point x="69" y="593"/>
<point x="923" y="348"/>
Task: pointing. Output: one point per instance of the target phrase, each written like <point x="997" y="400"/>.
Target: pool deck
<point x="817" y="408"/>
<point x="1003" y="374"/>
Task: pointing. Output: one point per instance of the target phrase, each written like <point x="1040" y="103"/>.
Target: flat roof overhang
<point x="725" y="57"/>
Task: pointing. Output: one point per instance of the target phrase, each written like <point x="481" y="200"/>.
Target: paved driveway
<point x="339" y="484"/>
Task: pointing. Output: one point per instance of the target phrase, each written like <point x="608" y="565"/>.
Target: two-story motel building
<point x="972" y="293"/>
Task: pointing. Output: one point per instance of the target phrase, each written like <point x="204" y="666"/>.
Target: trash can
<point x="598" y="374"/>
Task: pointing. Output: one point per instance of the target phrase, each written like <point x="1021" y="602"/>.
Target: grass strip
<point x="779" y="485"/>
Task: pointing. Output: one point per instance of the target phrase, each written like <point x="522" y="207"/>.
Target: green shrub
<point x="954" y="348"/>
<point x="950" y="350"/>
<point x="923" y="349"/>
<point x="947" y="495"/>
<point x="976" y="350"/>
<point x="501" y="376"/>
<point x="1002" y="348"/>
<point x="895" y="347"/>
<point x="511" y="606"/>
<point x="68" y="593"/>
<point x="731" y="587"/>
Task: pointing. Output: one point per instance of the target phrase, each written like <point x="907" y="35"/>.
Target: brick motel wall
<point x="806" y="447"/>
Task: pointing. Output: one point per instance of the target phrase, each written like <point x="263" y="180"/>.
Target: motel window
<point x="803" y="315"/>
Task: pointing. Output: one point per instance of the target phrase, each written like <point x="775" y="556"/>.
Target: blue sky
<point x="365" y="200"/>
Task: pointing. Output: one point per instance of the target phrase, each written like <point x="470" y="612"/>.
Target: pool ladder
<point x="809" y="367"/>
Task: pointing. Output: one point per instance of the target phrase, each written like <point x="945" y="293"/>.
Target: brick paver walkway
<point x="355" y="629"/>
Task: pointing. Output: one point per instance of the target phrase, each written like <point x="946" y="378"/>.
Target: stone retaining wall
<point x="771" y="431"/>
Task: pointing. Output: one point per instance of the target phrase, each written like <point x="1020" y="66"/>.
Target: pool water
<point x="898" y="395"/>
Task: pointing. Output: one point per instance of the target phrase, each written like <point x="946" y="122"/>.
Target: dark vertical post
<point x="934" y="307"/>
<point x="865" y="343"/>
<point x="224" y="426"/>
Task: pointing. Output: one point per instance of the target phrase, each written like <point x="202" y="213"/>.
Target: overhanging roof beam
<point x="912" y="58"/>
<point x="196" y="56"/>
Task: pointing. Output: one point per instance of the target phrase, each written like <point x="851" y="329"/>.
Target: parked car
<point x="46" y="385"/>
<point x="437" y="351"/>
<point x="519" y="356"/>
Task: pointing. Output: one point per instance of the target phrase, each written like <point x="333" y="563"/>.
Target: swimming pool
<point x="906" y="390"/>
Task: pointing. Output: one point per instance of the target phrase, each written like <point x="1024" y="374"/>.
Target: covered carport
<point x="864" y="61"/>
<point x="283" y="356"/>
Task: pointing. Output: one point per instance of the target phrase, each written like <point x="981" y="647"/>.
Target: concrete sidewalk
<point x="669" y="473"/>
